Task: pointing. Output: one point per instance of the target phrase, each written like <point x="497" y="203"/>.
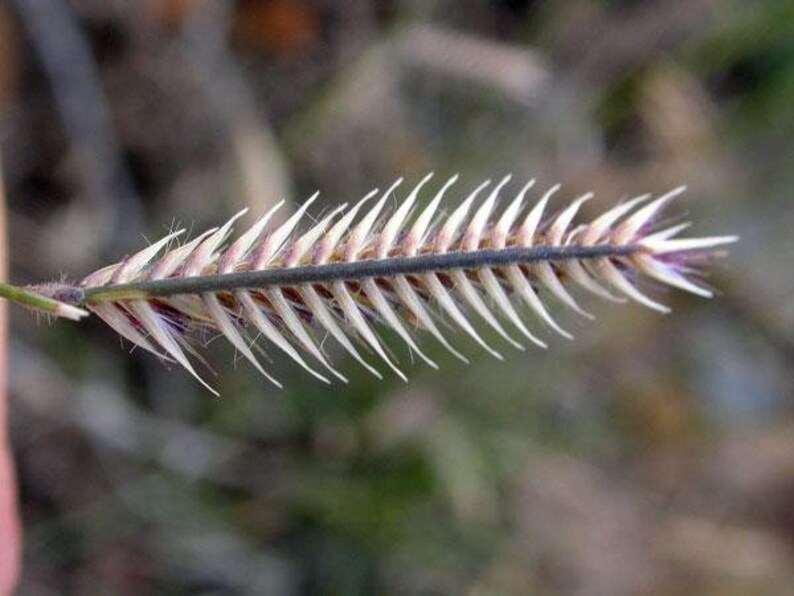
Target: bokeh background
<point x="654" y="455"/>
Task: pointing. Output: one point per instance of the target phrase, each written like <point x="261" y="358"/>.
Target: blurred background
<point x="653" y="455"/>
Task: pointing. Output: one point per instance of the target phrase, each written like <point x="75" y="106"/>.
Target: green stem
<point x="40" y="303"/>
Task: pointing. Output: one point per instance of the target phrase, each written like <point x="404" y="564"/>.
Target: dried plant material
<point x="357" y="268"/>
<point x="518" y="73"/>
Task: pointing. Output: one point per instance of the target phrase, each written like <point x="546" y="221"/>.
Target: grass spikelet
<point x="364" y="266"/>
